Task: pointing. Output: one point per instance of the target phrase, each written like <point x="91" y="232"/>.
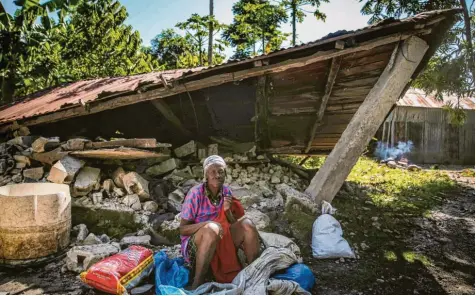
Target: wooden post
<point x="331" y="78"/>
<point x="330" y="177"/>
<point x="262" y="112"/>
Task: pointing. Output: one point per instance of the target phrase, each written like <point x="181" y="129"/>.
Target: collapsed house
<point x="326" y="97"/>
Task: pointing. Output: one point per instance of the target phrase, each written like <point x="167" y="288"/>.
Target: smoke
<point x="383" y="150"/>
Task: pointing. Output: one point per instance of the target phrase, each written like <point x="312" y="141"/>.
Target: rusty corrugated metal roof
<point x="82" y="92"/>
<point x="418" y="98"/>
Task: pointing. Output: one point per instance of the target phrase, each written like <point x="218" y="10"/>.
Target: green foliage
<point x="297" y="12"/>
<point x="89" y="40"/>
<point x="177" y="51"/>
<point x="451" y="69"/>
<point x="457" y="114"/>
<point x="256" y="27"/>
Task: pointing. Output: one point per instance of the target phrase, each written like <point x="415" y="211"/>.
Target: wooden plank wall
<point x="435" y="140"/>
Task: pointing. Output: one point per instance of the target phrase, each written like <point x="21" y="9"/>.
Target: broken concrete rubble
<point x="91" y="239"/>
<point x="80" y="258"/>
<point x="135" y="240"/>
<point x="45" y="144"/>
<point x="150" y="206"/>
<point x="132" y="201"/>
<point x="186" y="149"/>
<point x="134" y="183"/>
<point x="34" y="173"/>
<point x="117" y="177"/>
<point x="64" y="170"/>
<point x="86" y="181"/>
<point x="163" y="168"/>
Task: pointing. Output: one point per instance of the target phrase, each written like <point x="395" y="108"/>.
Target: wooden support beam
<point x="294" y="167"/>
<point x="366" y="121"/>
<point x="262" y="101"/>
<point x="181" y="86"/>
<point x="165" y="110"/>
<point x="331" y="78"/>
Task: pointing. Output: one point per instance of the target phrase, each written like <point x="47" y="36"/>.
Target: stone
<point x="81" y="258"/>
<point x="414" y="167"/>
<point x="134" y="183"/>
<point x="364" y="246"/>
<point x="186" y="149"/>
<point x="201" y="153"/>
<point x="135" y="240"/>
<point x="163" y="168"/>
<point x="260" y="157"/>
<point x="82" y="232"/>
<point x="22" y="159"/>
<point x="86" y="181"/>
<point x="248" y="200"/>
<point x="22" y="131"/>
<point x="119" y="192"/>
<point x="117" y="176"/>
<point x="132" y="200"/>
<point x="212" y="149"/>
<point x="260" y="219"/>
<point x="392" y="164"/>
<point x="292" y="196"/>
<point x="105" y="239"/>
<point x="275" y="179"/>
<point x="142" y="290"/>
<point x="170" y="229"/>
<point x="65" y="170"/>
<point x="45" y="144"/>
<point x="150" y="206"/>
<point x="342" y="260"/>
<point x="17" y="178"/>
<point x="20" y="165"/>
<point x="75" y="144"/>
<point x="91" y="239"/>
<point x="34" y="173"/>
<point x="22" y="140"/>
<point x="97" y="197"/>
<point x="108" y="185"/>
<point x="175" y="200"/>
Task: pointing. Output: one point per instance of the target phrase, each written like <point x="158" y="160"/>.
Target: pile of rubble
<point x="135" y="187"/>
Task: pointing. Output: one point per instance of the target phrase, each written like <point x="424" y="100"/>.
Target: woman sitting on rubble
<point x="200" y="234"/>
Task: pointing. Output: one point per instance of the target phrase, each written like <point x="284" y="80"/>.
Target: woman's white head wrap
<point x="210" y="160"/>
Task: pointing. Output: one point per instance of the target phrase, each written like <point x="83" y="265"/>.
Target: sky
<point x="150" y="17"/>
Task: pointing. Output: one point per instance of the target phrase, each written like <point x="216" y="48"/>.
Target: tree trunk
<point x="469" y="38"/>
<point x="8" y="89"/>
<point x="210" y="36"/>
<point x="293" y="14"/>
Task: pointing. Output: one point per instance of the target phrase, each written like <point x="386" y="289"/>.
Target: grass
<point x="467" y="173"/>
<point x="377" y="206"/>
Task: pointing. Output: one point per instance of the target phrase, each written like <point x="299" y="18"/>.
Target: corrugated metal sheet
<point x="418" y="98"/>
<point x="84" y="91"/>
<point x="435" y="139"/>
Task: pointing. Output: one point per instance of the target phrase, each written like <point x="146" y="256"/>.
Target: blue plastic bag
<point x="169" y="272"/>
<point x="299" y="273"/>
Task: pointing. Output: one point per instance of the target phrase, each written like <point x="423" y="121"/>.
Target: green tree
<point x="256" y="24"/>
<point x="197" y="32"/>
<point x="451" y="69"/>
<point x="297" y="11"/>
<point x="210" y="34"/>
<point x="169" y="46"/>
<point x="21" y="38"/>
<point x="88" y="40"/>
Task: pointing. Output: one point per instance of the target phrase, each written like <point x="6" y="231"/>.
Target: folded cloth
<point x="225" y="264"/>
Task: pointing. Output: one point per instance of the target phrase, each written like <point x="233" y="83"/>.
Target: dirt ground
<point x="398" y="252"/>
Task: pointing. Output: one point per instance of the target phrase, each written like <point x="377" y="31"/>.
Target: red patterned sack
<point x="121" y="272"/>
